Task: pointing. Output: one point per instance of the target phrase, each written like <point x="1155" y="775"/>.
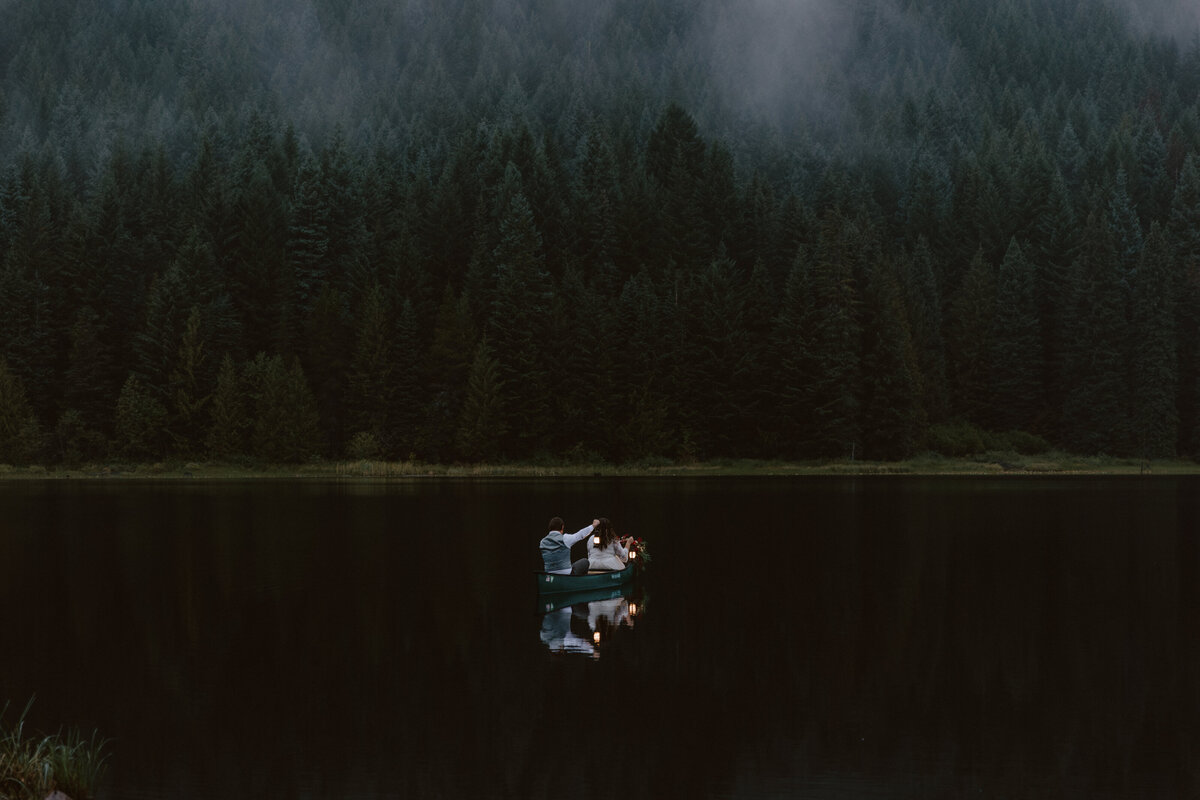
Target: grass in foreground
<point x="33" y="767"/>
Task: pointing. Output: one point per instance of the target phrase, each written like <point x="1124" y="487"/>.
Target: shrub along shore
<point x="992" y="463"/>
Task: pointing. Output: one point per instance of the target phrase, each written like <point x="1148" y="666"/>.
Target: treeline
<point x="533" y="248"/>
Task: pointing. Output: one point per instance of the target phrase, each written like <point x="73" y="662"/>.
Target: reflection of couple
<point x="563" y="630"/>
<point x="558" y="636"/>
<point x="605" y="550"/>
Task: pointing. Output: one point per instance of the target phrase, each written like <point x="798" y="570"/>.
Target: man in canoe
<point x="556" y="548"/>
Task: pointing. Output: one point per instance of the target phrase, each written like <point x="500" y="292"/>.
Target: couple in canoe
<point x="606" y="551"/>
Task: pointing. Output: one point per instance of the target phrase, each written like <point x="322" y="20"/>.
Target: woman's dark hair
<point x="606" y="532"/>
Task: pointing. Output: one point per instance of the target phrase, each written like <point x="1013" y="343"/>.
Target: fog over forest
<point x="622" y="230"/>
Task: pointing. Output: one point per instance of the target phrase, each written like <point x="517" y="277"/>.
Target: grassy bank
<point x="32" y="767"/>
<point x="999" y="463"/>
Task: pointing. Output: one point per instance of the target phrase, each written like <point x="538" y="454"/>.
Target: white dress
<point x="612" y="557"/>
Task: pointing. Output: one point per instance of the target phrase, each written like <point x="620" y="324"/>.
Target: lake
<point x="818" y="637"/>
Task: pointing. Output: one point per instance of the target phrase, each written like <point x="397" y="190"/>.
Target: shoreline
<point x="990" y="464"/>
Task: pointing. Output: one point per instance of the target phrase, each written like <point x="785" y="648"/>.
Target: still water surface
<point x="822" y="638"/>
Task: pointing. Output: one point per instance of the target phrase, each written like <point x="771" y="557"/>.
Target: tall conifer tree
<point x="1155" y="364"/>
<point x="970" y="331"/>
<point x="1016" y="395"/>
<point x="518" y="322"/>
<point x="1095" y="417"/>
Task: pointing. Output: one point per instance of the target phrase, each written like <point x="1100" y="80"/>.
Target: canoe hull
<point x="549" y="583"/>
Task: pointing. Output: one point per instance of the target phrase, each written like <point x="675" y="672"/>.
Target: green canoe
<point x="549" y="583"/>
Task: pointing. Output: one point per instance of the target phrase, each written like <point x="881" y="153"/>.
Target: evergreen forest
<point x="620" y="230"/>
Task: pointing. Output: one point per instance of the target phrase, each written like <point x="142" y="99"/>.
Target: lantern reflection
<point x="587" y="623"/>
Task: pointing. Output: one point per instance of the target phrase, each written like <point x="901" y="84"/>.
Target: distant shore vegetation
<point x="464" y="232"/>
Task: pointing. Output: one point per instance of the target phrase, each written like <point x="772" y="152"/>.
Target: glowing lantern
<point x="596" y="637"/>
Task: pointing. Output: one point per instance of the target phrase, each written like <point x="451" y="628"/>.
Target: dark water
<point x="824" y="638"/>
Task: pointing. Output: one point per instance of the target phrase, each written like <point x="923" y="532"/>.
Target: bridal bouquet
<point x="639" y="546"/>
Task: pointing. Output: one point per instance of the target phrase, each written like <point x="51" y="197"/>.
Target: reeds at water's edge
<point x="33" y="767"/>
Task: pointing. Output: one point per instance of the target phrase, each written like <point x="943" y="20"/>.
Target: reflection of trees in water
<point x="1036" y="649"/>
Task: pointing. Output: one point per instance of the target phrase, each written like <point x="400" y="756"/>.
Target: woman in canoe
<point x="605" y="550"/>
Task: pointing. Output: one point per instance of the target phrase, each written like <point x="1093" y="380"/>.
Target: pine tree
<point x="1125" y="227"/>
<point x="20" y="438"/>
<point x="923" y="300"/>
<point x="481" y="427"/>
<point x="1155" y="365"/>
<point x="575" y="349"/>
<point x="89" y="363"/>
<point x="517" y="328"/>
<point x="229" y="421"/>
<point x="259" y="255"/>
<point x="409" y="392"/>
<point x="892" y="413"/>
<point x="718" y="392"/>
<point x="284" y="411"/>
<point x="833" y="389"/>
<point x="970" y="332"/>
<point x="1016" y="396"/>
<point x="26" y="339"/>
<point x="330" y="341"/>
<point x="140" y="422"/>
<point x="187" y="390"/>
<point x="675" y="143"/>
<point x="1184" y="235"/>
<point x="450" y="357"/>
<point x="1095" y="417"/>
<point x="307" y="250"/>
<point x="643" y="345"/>
<point x="369" y="380"/>
<point x="1053" y="251"/>
<point x="791" y="345"/>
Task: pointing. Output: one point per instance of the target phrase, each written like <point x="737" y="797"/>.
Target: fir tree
<point x="369" y="380"/>
<point x="792" y="350"/>
<point x="229" y="421"/>
<point x="450" y="357"/>
<point x="1016" y="346"/>
<point x="719" y="390"/>
<point x="1095" y="410"/>
<point x="409" y="392"/>
<point x="89" y="365"/>
<point x="833" y="390"/>
<point x="140" y="422"/>
<point x="1155" y="365"/>
<point x="19" y="433"/>
<point x="970" y="331"/>
<point x="1184" y="235"/>
<point x="481" y="426"/>
<point x="518" y="322"/>
<point x="922" y="299"/>
<point x="187" y="390"/>
<point x="892" y="414"/>
<point x="285" y="428"/>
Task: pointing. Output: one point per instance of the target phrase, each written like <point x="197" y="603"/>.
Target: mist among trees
<point x="621" y="230"/>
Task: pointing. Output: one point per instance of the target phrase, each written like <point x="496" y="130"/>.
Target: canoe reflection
<point x="583" y="622"/>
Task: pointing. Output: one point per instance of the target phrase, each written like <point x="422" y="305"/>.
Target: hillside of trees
<point x="513" y="229"/>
